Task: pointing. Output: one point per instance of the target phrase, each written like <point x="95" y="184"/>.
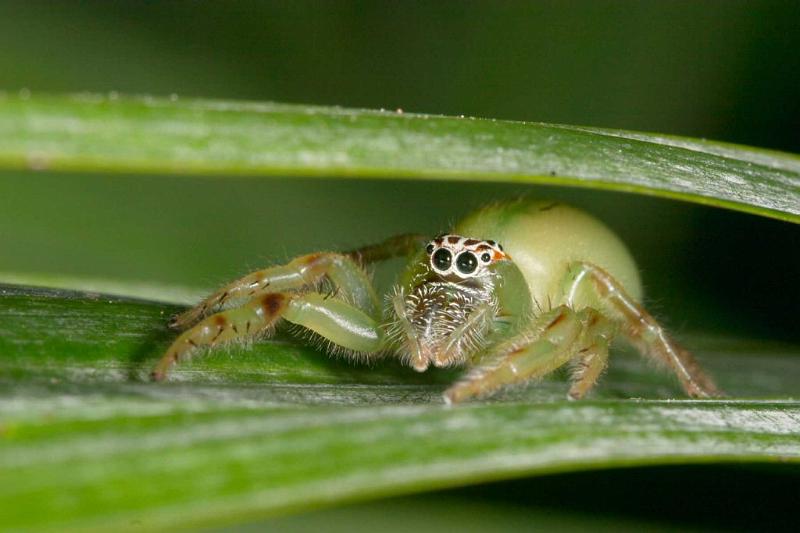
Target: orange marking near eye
<point x="500" y="256"/>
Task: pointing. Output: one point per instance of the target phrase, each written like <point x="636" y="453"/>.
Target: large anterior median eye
<point x="442" y="259"/>
<point x="466" y="262"/>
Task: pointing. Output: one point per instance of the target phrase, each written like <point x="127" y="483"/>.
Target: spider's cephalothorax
<point x="571" y="288"/>
<point x="443" y="313"/>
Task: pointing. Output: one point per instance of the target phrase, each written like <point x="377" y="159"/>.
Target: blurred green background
<point x="721" y="69"/>
<point x="725" y="70"/>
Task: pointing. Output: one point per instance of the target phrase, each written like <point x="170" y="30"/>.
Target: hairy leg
<point x="397" y="246"/>
<point x="592" y="358"/>
<point x="639" y="326"/>
<point x="332" y="318"/>
<point x="304" y="271"/>
<point x="247" y="321"/>
<point x="337" y="322"/>
<point x="549" y="342"/>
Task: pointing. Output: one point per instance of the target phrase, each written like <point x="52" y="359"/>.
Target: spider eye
<point x="442" y="259"/>
<point x="486" y="257"/>
<point x="466" y="263"/>
<point x="429" y="249"/>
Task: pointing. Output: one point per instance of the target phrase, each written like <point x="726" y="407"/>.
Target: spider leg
<point x="592" y="359"/>
<point x="332" y="318"/>
<point x="253" y="318"/>
<point x="304" y="271"/>
<point x="585" y="280"/>
<point x="399" y="245"/>
<point x="337" y="321"/>
<point x="547" y="343"/>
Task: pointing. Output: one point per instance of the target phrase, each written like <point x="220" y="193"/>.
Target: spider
<point x="558" y="290"/>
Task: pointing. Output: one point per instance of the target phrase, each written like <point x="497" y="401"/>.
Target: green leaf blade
<point x="87" y="442"/>
<point x="98" y="134"/>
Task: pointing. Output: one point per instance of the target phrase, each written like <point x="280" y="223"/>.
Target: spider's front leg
<point x="332" y="318"/>
<point x="396" y="246"/>
<point x="302" y="272"/>
<point x="348" y="318"/>
<point x="548" y="342"/>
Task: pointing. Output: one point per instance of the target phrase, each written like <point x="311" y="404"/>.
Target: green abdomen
<point x="544" y="237"/>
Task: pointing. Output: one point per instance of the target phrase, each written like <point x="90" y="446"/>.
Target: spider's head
<point x="457" y="258"/>
<point x="442" y="313"/>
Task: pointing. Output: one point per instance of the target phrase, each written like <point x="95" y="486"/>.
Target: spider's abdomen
<point x="543" y="238"/>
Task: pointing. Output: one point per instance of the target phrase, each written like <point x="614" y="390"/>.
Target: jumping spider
<point x="558" y="291"/>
